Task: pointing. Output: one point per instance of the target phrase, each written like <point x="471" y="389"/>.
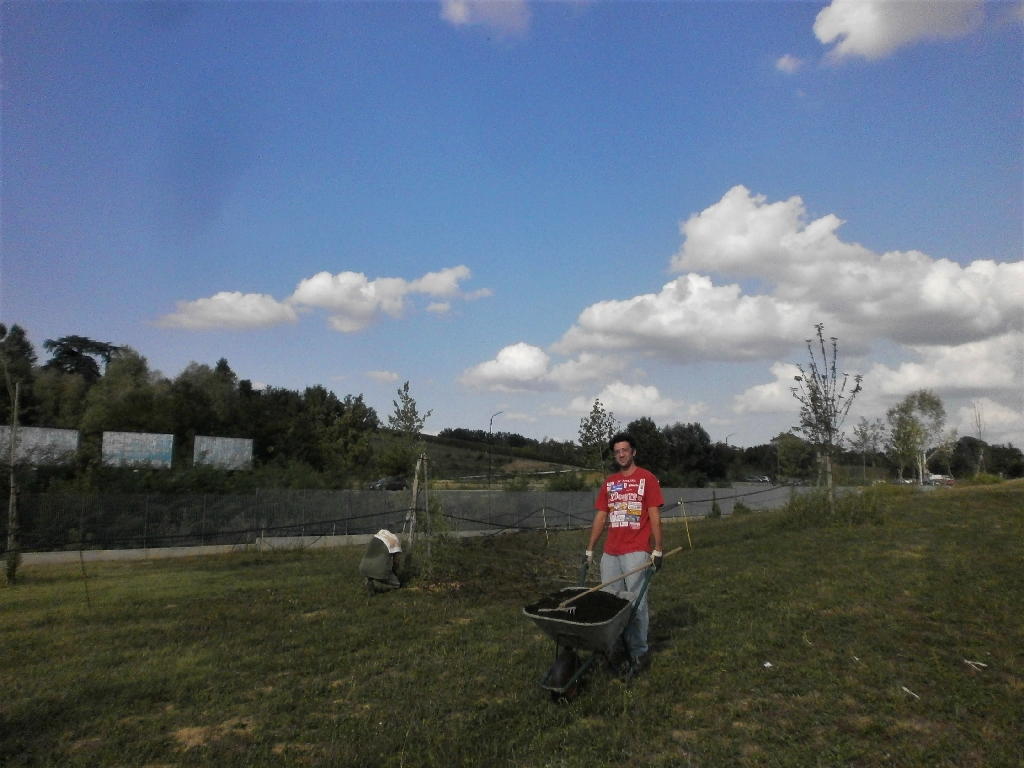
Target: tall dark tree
<point x="128" y="398"/>
<point x="1006" y="460"/>
<point x="651" y="444"/>
<point x="691" y="454"/>
<point x="219" y="388"/>
<point x="60" y="398"/>
<point x="78" y="354"/>
<point x="17" y="360"/>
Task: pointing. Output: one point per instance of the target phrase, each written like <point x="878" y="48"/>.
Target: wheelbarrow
<point x="593" y="622"/>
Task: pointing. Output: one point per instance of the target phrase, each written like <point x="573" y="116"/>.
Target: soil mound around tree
<point x="595" y="608"/>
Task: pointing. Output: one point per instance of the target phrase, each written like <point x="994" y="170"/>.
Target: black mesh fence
<point x="52" y="522"/>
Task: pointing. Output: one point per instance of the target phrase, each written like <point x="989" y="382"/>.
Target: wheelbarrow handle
<point x="620" y="577"/>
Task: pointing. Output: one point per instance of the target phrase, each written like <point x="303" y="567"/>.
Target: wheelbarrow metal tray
<point x="566" y="630"/>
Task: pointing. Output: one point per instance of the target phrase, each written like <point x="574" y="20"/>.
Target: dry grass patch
<point x="191" y="737"/>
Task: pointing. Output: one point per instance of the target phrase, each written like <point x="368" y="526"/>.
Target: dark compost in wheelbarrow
<point x="594" y="608"/>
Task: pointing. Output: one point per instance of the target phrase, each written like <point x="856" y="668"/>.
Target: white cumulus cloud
<point x="231" y="310"/>
<point x="875" y="28"/>
<point x="904" y="296"/>
<point x="757" y="276"/>
<point x="516" y="368"/>
<point x="989" y="371"/>
<point x="788" y="63"/>
<point x="523" y="367"/>
<point x="502" y="16"/>
<point x="997" y="420"/>
<point x="634" y="400"/>
<point x="587" y="368"/>
<point x="990" y="366"/>
<point x="773" y="397"/>
<point x="383" y="377"/>
<point x="691" y="319"/>
<point x="517" y="416"/>
<point x="352" y="300"/>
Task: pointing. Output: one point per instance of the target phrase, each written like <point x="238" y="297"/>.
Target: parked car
<point x="758" y="479"/>
<point x="390" y="484"/>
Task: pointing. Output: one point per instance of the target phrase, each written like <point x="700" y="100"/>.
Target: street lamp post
<point x="489" y="425"/>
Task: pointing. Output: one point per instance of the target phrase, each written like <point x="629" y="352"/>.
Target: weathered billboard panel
<point x="137" y="449"/>
<point x="223" y="452"/>
<point x="39" y="446"/>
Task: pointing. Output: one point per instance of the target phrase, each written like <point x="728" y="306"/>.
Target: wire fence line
<point x="54" y="522"/>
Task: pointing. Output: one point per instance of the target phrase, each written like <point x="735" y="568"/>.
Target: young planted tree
<point x="824" y="403"/>
<point x="794" y="456"/>
<point x="406" y="419"/>
<point x="916" y="431"/>
<point x="978" y="420"/>
<point x="595" y="432"/>
<point x="867" y="437"/>
<point x="399" y="457"/>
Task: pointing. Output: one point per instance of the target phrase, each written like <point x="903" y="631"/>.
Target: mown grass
<point x="281" y="659"/>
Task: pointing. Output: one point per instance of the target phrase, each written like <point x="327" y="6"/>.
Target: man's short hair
<point x="622" y="437"/>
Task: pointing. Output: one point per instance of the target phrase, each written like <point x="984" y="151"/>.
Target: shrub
<point x="863" y="506"/>
<point x="517" y="484"/>
<point x="567" y="481"/>
<point x="739" y="508"/>
<point x="982" y="478"/>
<point x="692" y="479"/>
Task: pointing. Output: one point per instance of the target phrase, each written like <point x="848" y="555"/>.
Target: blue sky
<point x="520" y="206"/>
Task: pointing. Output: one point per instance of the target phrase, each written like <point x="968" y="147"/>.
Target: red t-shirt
<point x="626" y="500"/>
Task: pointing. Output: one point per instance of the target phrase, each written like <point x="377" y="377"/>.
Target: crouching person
<point x="379" y="565"/>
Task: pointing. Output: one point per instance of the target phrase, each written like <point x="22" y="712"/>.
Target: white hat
<point x="393" y="545"/>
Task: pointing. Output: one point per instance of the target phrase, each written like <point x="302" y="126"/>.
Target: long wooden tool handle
<point x="617" y="578"/>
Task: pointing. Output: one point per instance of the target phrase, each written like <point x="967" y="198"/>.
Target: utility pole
<point x="491" y="424"/>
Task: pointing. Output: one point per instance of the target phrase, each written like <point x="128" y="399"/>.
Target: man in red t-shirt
<point x="630" y="502"/>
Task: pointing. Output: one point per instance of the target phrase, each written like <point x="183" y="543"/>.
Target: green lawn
<point x="282" y="659"/>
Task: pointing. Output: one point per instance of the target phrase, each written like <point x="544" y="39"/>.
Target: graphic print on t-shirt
<point x="626" y="502"/>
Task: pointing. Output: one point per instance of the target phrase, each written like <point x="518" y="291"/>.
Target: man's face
<point x="623" y="454"/>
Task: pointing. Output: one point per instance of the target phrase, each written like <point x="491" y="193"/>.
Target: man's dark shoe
<point x="640" y="663"/>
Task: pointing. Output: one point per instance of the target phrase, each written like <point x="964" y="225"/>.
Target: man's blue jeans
<point x="616" y="565"/>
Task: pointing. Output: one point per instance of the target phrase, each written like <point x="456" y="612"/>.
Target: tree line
<point x="315" y="439"/>
<point x="310" y="438"/>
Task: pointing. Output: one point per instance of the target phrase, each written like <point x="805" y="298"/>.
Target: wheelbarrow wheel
<point x="566" y="696"/>
<point x="561" y="674"/>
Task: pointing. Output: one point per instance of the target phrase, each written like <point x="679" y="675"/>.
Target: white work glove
<point x="590" y="558"/>
<point x="657" y="556"/>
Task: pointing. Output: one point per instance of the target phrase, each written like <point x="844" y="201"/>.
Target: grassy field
<point x="282" y="659"/>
